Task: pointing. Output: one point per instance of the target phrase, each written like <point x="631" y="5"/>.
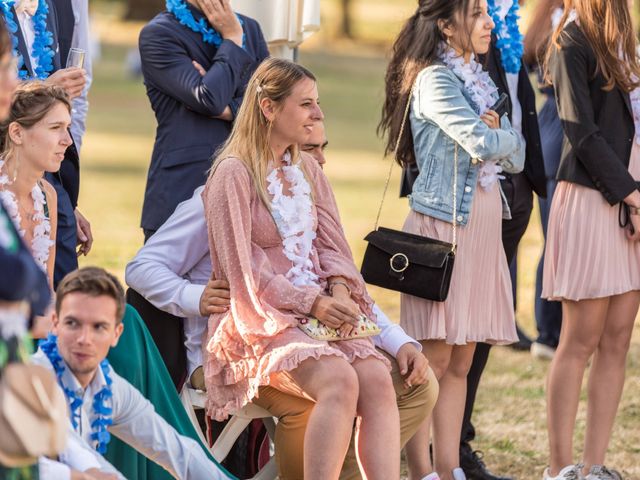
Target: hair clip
<point x="259" y="89"/>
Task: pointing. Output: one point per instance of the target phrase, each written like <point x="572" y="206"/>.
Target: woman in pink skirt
<point x="451" y="120"/>
<point x="592" y="261"/>
<point x="275" y="236"/>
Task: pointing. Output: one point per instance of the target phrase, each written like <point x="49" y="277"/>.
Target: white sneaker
<point x="600" y="472"/>
<point x="458" y="474"/>
<point x="570" y="472"/>
<point x="542" y="351"/>
<point x="431" y="476"/>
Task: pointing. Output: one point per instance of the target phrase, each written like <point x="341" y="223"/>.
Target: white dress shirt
<point x="136" y="422"/>
<point x="81" y="39"/>
<point x="77" y="455"/>
<point x="28" y="34"/>
<point x="516" y="108"/>
<point x="173" y="267"/>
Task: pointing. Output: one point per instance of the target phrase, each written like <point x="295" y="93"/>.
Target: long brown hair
<point x="417" y="46"/>
<point x="609" y="31"/>
<point x="249" y="140"/>
<point x="539" y="31"/>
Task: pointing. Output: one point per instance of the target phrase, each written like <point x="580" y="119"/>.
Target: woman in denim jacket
<point x="433" y="67"/>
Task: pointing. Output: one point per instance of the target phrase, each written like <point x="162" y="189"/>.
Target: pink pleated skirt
<point x="588" y="255"/>
<point x="479" y="307"/>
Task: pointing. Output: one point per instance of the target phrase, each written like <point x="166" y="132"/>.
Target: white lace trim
<point x="41" y="242"/>
<point x="477" y="81"/>
<point x="484" y="94"/>
<point x="294" y="219"/>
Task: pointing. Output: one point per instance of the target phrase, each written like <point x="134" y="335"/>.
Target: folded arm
<point x="168" y="66"/>
<point x="438" y="98"/>
<point x="256" y="290"/>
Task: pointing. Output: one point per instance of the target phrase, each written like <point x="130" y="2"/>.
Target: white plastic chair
<point x="192" y="399"/>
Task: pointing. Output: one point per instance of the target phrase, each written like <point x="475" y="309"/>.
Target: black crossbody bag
<point x="408" y="263"/>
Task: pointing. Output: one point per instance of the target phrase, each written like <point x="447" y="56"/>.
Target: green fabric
<point x="20" y="473"/>
<point x="137" y="359"/>
<point x="15" y="349"/>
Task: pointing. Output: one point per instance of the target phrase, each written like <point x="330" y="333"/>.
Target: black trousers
<point x="519" y="195"/>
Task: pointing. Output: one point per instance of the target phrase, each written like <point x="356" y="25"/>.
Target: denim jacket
<point x="442" y="113"/>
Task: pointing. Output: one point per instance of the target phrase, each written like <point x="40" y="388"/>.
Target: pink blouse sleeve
<point x="261" y="300"/>
<point x="334" y="253"/>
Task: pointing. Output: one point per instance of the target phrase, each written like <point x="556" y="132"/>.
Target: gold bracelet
<point x="333" y="284"/>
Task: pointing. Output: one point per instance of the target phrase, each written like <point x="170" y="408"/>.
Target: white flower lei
<point x="294" y="219"/>
<point x="634" y="96"/>
<point x="41" y="242"/>
<point x="484" y="94"/>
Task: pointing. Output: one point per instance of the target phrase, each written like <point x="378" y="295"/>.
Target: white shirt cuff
<point x="190" y="299"/>
<point x="53" y="470"/>
<point x="392" y="336"/>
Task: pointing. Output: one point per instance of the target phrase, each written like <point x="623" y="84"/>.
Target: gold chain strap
<point x="455" y="176"/>
<point x="454" y="222"/>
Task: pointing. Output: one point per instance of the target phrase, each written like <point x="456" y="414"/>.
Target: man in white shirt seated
<point x="87" y="322"/>
<point x="173" y="271"/>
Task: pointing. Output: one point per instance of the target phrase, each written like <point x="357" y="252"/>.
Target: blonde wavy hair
<point x="249" y="141"/>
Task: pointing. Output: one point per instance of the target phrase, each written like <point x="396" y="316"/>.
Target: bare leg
<point x="418" y="461"/>
<point x="417" y="449"/>
<point x="449" y="410"/>
<point x="582" y="326"/>
<point x="333" y="383"/>
<point x="378" y="435"/>
<point x="606" y="378"/>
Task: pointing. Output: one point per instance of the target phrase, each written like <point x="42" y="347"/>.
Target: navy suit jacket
<point x="184" y="103"/>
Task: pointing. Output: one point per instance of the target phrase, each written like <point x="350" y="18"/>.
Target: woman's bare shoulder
<point x="48" y="190"/>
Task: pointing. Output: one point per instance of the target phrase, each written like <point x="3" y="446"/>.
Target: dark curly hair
<point x="416" y="47"/>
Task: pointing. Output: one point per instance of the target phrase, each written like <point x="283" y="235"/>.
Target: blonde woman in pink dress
<point x="275" y="235"/>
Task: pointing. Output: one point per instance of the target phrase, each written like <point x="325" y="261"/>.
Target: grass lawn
<point x="510" y="414"/>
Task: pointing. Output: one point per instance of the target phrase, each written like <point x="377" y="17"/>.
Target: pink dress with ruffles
<point x="258" y="337"/>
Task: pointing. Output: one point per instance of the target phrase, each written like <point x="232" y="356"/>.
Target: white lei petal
<point x="484" y="94"/>
<point x="503" y="7"/>
<point x="41" y="242"/>
<point x="477" y="81"/>
<point x="294" y="219"/>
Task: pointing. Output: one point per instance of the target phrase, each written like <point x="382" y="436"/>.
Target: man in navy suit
<point x="67" y="180"/>
<point x="195" y="86"/>
<point x="194" y="112"/>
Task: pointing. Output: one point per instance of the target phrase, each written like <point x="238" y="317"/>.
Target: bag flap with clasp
<point x="419" y="250"/>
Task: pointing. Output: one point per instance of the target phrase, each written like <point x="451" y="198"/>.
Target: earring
<point x="15" y="167"/>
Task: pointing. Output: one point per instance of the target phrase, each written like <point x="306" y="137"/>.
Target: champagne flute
<point x="75" y="58"/>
